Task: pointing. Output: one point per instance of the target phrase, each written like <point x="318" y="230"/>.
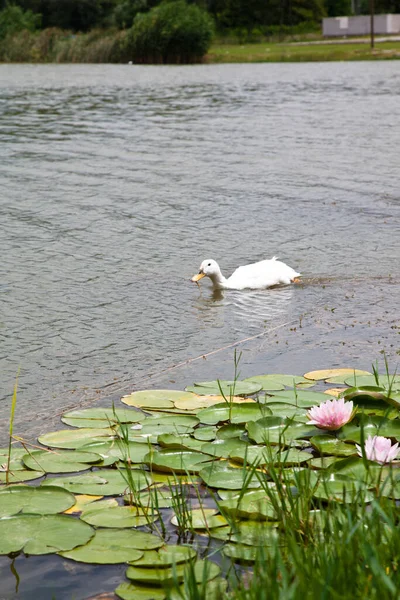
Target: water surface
<point x="117" y="181"/>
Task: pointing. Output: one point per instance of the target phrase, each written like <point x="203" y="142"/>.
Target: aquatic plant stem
<point x="13" y="405"/>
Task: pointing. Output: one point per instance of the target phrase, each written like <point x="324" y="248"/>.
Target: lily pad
<point x="342" y="489"/>
<point x="205" y="518"/>
<point x="328" y="373"/>
<point x="300" y="398"/>
<point x="331" y="445"/>
<point x="221" y="475"/>
<point x="34" y="500"/>
<point x="179" y="442"/>
<point x="42" y="534"/>
<point x="372" y="397"/>
<point x="75" y="438"/>
<point x="136" y="591"/>
<point x="154" y="399"/>
<point x="104" y="482"/>
<point x="235" y="413"/>
<point x="155" y="498"/>
<point x="198" y="402"/>
<point x="113" y="546"/>
<point x="267" y="382"/>
<point x="81" y="502"/>
<point x="241" y="553"/>
<point x="263" y="455"/>
<point x="252" y="533"/>
<point x="60" y="461"/>
<point x="253" y="504"/>
<point x="100" y="418"/>
<point x="20" y="476"/>
<point x="119" y="516"/>
<point x="205" y="434"/>
<point x="203" y="571"/>
<point x="277" y="430"/>
<point x="177" y="461"/>
<point x="228" y="388"/>
<point x="133" y="452"/>
<point x="372" y="425"/>
<point x="384" y="381"/>
<point x="166" y="556"/>
<point x="224" y="448"/>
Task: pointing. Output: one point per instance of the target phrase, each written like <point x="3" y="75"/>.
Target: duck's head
<point x="208" y="268"/>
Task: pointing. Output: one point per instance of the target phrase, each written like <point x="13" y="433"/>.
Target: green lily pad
<point x="112" y="546"/>
<point x="75" y="438"/>
<point x="118" y="516"/>
<point x="100" y="418"/>
<point x="241" y="553"/>
<point x="20" y="476"/>
<point x="251" y="533"/>
<point x="384" y="381"/>
<point x="154" y="399"/>
<point x="16" y="463"/>
<point x="328" y="373"/>
<point x="205" y="434"/>
<point x="136" y="591"/>
<point x="300" y="398"/>
<point x="372" y="425"/>
<point x="267" y="382"/>
<point x="372" y="397"/>
<point x="322" y="463"/>
<point x="227" y="432"/>
<point x="253" y="504"/>
<point x="179" y="442"/>
<point x="277" y="430"/>
<point x="106" y="547"/>
<point x="104" y="482"/>
<point x="34" y="500"/>
<point x="233" y="412"/>
<point x="152" y="427"/>
<point x="203" y="571"/>
<point x="177" y="461"/>
<point x="224" y="448"/>
<point x="283" y="409"/>
<point x="133" y="452"/>
<point x="211" y="590"/>
<point x="166" y="556"/>
<point x="221" y="475"/>
<point x="228" y="388"/>
<point x="60" y="461"/>
<point x="42" y="534"/>
<point x="340" y="488"/>
<point x="263" y="455"/>
<point x="330" y="445"/>
<point x="155" y="498"/>
<point x="205" y="518"/>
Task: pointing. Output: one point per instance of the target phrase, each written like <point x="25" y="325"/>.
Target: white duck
<point x="257" y="276"/>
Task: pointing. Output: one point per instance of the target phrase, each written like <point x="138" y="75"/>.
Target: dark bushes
<point x="173" y="32"/>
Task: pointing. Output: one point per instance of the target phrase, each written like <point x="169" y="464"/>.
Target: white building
<point x="360" y="25"/>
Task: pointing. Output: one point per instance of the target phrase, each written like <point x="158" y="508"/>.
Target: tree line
<point x="84" y="15"/>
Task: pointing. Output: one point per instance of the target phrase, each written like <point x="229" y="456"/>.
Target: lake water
<point x="117" y="181"/>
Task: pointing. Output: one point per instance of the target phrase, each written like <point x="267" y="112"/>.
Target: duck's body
<point x="257" y="276"/>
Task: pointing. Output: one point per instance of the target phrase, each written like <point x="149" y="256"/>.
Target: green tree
<point x="14" y="19"/>
<point x="173" y="32"/>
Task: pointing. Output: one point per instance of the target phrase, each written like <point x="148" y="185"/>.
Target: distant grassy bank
<point x="112" y="46"/>
<point x="289" y="52"/>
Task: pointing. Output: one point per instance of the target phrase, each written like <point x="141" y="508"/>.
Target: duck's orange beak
<point x="197" y="277"/>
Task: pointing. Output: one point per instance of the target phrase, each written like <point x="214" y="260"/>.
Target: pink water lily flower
<point x="332" y="414"/>
<point x="379" y="449"/>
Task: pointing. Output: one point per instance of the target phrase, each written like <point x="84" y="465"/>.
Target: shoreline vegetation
<point x="180" y="32"/>
<point x="54" y="45"/>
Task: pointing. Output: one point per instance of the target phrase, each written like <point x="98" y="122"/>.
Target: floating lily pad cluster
<point x="204" y="460"/>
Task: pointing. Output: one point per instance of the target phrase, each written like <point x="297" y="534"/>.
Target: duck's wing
<point x="262" y="274"/>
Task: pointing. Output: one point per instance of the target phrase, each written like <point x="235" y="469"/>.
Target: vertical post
<point x="372" y="10"/>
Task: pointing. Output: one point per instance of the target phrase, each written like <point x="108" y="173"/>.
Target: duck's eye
<point x="209" y="265"/>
